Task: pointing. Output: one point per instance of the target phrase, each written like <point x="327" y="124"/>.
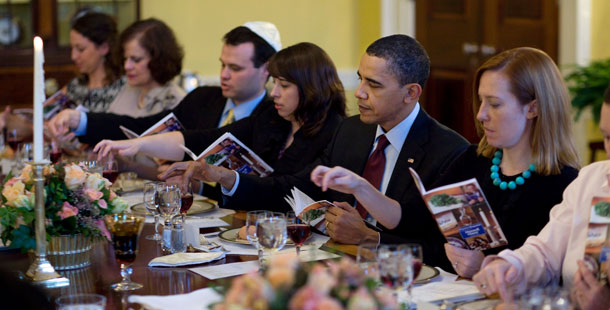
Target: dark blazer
<point x="200" y="109"/>
<point x="429" y="148"/>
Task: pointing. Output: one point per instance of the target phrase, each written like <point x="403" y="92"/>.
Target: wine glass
<point x="413" y="258"/>
<point x="169" y="206"/>
<point x="271" y="232"/>
<point x="187" y="200"/>
<point x="251" y="218"/>
<point x="151" y="203"/>
<point x="55" y="152"/>
<point x="110" y="169"/>
<point x="298" y="230"/>
<point x="367" y="259"/>
<point x="14" y="138"/>
<point x="391" y="265"/>
<point x="125" y="230"/>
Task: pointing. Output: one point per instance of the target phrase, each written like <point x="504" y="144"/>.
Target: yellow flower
<point x="13" y="192"/>
<point x="26" y="174"/>
<point x="75" y="177"/>
<point x="95" y="182"/>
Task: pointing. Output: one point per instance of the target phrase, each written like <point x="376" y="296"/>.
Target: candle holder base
<point x="42" y="273"/>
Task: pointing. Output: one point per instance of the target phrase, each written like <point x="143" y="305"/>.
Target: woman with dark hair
<point x="309" y="105"/>
<point x="151" y="57"/>
<point x="93" y="39"/>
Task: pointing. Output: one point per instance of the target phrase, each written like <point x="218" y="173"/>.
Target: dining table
<point x="161" y="281"/>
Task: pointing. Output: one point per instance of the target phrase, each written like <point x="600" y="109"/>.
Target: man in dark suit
<point x="243" y="76"/>
<point x="392" y="72"/>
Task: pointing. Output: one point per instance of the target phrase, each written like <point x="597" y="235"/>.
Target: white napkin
<point x="183" y="259"/>
<point x="196" y="300"/>
<point x="235" y="269"/>
<point x="436" y="292"/>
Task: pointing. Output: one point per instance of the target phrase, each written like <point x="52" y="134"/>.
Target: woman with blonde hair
<point x="526" y="156"/>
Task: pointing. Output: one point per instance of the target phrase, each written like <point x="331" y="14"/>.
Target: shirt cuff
<point x="230" y="193"/>
<point x="81" y="130"/>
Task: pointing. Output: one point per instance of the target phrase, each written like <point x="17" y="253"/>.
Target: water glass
<point x="271" y="232"/>
<point x="81" y="302"/>
<point x="170" y="201"/>
<point x="251" y="219"/>
<point x="367" y="259"/>
<point x="151" y="203"/>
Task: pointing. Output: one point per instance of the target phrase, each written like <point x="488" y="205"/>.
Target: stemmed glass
<point x="271" y="232"/>
<point x="110" y="169"/>
<point x="413" y="260"/>
<point x="14" y="138"/>
<point x="298" y="230"/>
<point x="251" y="218"/>
<point x="151" y="202"/>
<point x="169" y="205"/>
<point x="187" y="200"/>
<point x="125" y="230"/>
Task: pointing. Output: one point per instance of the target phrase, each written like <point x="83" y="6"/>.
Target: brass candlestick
<point x="41" y="271"/>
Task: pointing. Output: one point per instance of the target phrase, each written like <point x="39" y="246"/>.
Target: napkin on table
<point x="183" y="259"/>
<point x="196" y="300"/>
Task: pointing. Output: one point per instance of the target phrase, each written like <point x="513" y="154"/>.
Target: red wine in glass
<point x="14" y="143"/>
<point x="55" y="157"/>
<point x="390" y="280"/>
<point x="298" y="233"/>
<point x="416" y="268"/>
<point x="111" y="175"/>
<point x="187" y="201"/>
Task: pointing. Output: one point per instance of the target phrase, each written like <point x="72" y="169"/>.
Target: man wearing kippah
<point x="241" y="93"/>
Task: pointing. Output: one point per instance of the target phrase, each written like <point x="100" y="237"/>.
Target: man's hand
<point x="465" y="262"/>
<point x="201" y="171"/>
<point x="497" y="277"/>
<point x="588" y="292"/>
<point x="59" y="126"/>
<point x="122" y="147"/>
<point x="344" y="225"/>
<point x="337" y="178"/>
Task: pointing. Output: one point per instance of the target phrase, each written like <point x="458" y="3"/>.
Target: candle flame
<point x="37" y="42"/>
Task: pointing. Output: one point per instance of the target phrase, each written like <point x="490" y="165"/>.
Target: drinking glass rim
<point x="60" y="301"/>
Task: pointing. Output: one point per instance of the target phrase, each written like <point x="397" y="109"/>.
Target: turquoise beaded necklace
<point x="495" y="173"/>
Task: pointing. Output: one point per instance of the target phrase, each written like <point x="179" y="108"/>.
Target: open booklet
<point x="597" y="246"/>
<point x="227" y="151"/>
<point x="59" y="102"/>
<point x="463" y="214"/>
<point x="309" y="211"/>
<point x="169" y="123"/>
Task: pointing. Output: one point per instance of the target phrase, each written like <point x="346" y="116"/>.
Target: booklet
<point x="56" y="103"/>
<point x="312" y="212"/>
<point x="169" y="123"/>
<point x="597" y="246"/>
<point x="463" y="214"/>
<point x="227" y="151"/>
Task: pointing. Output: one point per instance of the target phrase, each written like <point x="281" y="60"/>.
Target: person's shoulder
<point x="206" y="91"/>
<point x="599" y="167"/>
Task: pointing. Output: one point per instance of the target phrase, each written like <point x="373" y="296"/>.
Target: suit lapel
<point x="411" y="156"/>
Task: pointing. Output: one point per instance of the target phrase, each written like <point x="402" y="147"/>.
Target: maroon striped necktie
<point x="373" y="171"/>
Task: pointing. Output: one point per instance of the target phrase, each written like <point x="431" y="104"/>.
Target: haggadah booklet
<point x="169" y="123"/>
<point x="597" y="246"/>
<point x="463" y="214"/>
<point x="227" y="151"/>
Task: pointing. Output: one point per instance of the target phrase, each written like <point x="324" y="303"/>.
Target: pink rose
<point x="67" y="210"/>
<point x="93" y="194"/>
<point x="111" y="195"/>
<point x="320" y="279"/>
<point x="102" y="227"/>
<point x="102" y="204"/>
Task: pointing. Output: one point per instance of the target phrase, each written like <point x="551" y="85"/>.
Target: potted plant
<point x="587" y="85"/>
<point x="76" y="201"/>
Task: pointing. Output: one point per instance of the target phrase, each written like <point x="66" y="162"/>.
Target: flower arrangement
<point x="287" y="284"/>
<point x="75" y="202"/>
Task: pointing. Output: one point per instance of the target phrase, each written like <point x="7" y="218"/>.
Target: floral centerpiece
<point x="288" y="284"/>
<point x="76" y="201"/>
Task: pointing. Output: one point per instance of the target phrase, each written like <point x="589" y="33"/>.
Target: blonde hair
<point x="533" y="75"/>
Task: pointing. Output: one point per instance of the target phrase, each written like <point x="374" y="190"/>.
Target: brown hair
<point x="314" y="73"/>
<point x="100" y="28"/>
<point x="160" y="42"/>
<point x="533" y="75"/>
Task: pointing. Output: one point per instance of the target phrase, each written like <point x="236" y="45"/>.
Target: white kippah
<point x="268" y="32"/>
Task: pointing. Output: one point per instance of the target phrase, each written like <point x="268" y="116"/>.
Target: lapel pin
<point x="411" y="160"/>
